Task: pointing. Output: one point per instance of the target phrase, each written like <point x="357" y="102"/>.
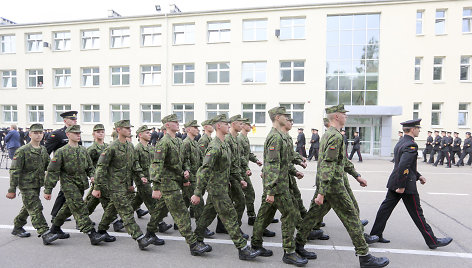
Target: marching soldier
<point x="315" y="144"/>
<point x="466" y="150"/>
<point x="206" y="137"/>
<point x="301" y="143"/>
<point x="456" y="148"/>
<point x="436" y="145"/>
<point x="356" y="147"/>
<point x="444" y="151"/>
<point x="429" y="146"/>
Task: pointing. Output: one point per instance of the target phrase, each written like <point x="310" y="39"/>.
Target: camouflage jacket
<point x="191" y="157"/>
<point x="28" y="168"/>
<point x="246" y="154"/>
<point x="166" y="171"/>
<point x="213" y="175"/>
<point x="235" y="169"/>
<point x="117" y="167"/>
<point x="143" y="156"/>
<point x="297" y="159"/>
<point x="95" y="150"/>
<point x="72" y="165"/>
<point x="203" y="143"/>
<point x="277" y="157"/>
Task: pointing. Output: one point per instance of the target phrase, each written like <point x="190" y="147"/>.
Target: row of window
<point x="183" y="74"/>
<point x="440" y="21"/>
<point x="438" y="66"/>
<point x="150" y="113"/>
<point x="436" y="113"/>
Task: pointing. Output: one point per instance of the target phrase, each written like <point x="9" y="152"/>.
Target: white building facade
<point x="387" y="61"/>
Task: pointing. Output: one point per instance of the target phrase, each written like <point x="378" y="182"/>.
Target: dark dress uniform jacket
<point x="356" y="145"/>
<point x="405" y="174"/>
<point x="315" y="138"/>
<point x="57" y="139"/>
<point x="437" y="142"/>
<point x="457" y="145"/>
<point x="429" y="144"/>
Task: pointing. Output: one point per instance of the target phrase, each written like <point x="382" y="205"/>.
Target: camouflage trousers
<point x="223" y="206"/>
<point x="75" y="206"/>
<point x="250" y="196"/>
<point x="297" y="197"/>
<point x="31" y="207"/>
<point x="284" y="203"/>
<point x="119" y="204"/>
<point x="175" y="203"/>
<point x="187" y="192"/>
<point x="237" y="195"/>
<point x="343" y="206"/>
<point x="92" y="202"/>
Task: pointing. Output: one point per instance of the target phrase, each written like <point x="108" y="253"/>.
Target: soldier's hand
<point x="259" y="163"/>
<point x="243" y="184"/>
<point x="262" y="175"/>
<point x="300" y="175"/>
<point x="422" y="180"/>
<point x="131" y="188"/>
<point x="144" y="180"/>
<point x="400" y="190"/>
<point x="92" y="179"/>
<point x="304" y="159"/>
<point x="11" y="195"/>
<point x="96" y="193"/>
<point x="156" y="194"/>
<point x="186" y="174"/>
<point x="195" y="200"/>
<point x="319" y="199"/>
<point x="186" y="184"/>
<point x="361" y="181"/>
<point x="47" y="196"/>
<point x="270" y="199"/>
<point x="303" y="164"/>
<point x="248" y="172"/>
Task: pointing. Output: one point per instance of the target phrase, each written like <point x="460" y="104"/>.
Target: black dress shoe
<point x="268" y="233"/>
<point x="371" y="261"/>
<point x="315" y="234"/>
<point x="57" y="230"/>
<point x="157" y="240"/>
<point x="294" y="258"/>
<point x="383" y="240"/>
<point x="441" y="242"/>
<point x="48" y="237"/>
<point x="20" y="232"/>
<point x="364" y="222"/>
<point x="118" y="225"/>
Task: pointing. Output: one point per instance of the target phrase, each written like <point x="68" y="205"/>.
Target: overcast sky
<point x="30" y="11"/>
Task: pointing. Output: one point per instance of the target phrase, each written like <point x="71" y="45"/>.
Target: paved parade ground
<point x="446" y="200"/>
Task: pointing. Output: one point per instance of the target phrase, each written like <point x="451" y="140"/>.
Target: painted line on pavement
<point x="384" y="191"/>
<point x="279" y="245"/>
<point x="4" y="177"/>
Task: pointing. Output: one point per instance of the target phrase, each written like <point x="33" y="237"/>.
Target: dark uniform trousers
<point x="443" y="153"/>
<point x="463" y="155"/>
<point x="358" y="154"/>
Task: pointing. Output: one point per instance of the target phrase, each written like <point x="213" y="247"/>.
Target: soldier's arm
<point x="137" y="169"/>
<point x="157" y="165"/>
<point x="185" y="152"/>
<point x="46" y="159"/>
<point x="90" y="167"/>
<point x="235" y="170"/>
<point x="253" y="157"/>
<point x="292" y="170"/>
<point x="53" y="174"/>
<point x="331" y="154"/>
<point x="204" y="171"/>
<point x="102" y="167"/>
<point x="16" y="167"/>
<point x="404" y="166"/>
<point x="349" y="168"/>
<point x="272" y="165"/>
<point x="92" y="151"/>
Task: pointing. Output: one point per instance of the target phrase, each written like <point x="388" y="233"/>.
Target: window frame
<point x="292" y="69"/>
<point x="57" y="119"/>
<point x="38" y="41"/>
<point x="151" y="111"/>
<point x="467" y="18"/>
<point x="121" y="112"/>
<point x="38" y="113"/>
<point x="55" y="39"/>
<point x="438" y="19"/>
<point x="154" y="33"/>
<point x="152" y="72"/>
<point x="439" y="111"/>
<point x="218" y="109"/>
<point x="92" y="75"/>
<point x="185" y="34"/>
<point x="36" y="75"/>
<point x="184" y="72"/>
<point x="12" y="77"/>
<point x="66" y="76"/>
<point x="418" y="67"/>
<point x="184" y="111"/>
<point x="11" y="41"/>
<point x="255" y="30"/>
<point x="122" y="37"/>
<point x="466" y="116"/>
<point x="292" y="27"/>
<point x="253" y="110"/>
<point x="420" y="21"/>
<point x="13" y="113"/>
<point x="92" y="112"/>
<point x="92" y="38"/>
<point x="220" y="29"/>
<point x="416" y="110"/>
<point x="254" y="72"/>
<point x="218" y="72"/>
<point x="293" y="110"/>
<point x="437" y="65"/>
<point x="468" y="66"/>
<point x="121" y="74"/>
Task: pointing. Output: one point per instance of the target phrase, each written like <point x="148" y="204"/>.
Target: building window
<point x="120" y="76"/>
<point x="34" y="42"/>
<point x="35" y="113"/>
<point x="35" y="78"/>
<point x="418" y="61"/>
<point x="292" y="28"/>
<point x="463" y="114"/>
<point x="436" y="114"/>
<point x="90" y="76"/>
<point x="214" y="109"/>
<point x="218" y="73"/>
<point x="7" y="44"/>
<point x="255" y="30"/>
<point x="255" y="112"/>
<point x="292" y="71"/>
<point x="184" y="74"/>
<point x="62" y="77"/>
<point x="91" y="113"/>
<point x="352" y="59"/>
<point x="440" y="21"/>
<point x="58" y="110"/>
<point x="150" y="75"/>
<point x="296" y="110"/>
<point x="438" y="68"/>
<point x="184" y="34"/>
<point x="120" y="37"/>
<point x="10" y="113"/>
<point x="467" y="20"/>
<point x="465" y="68"/>
<point x="416" y="110"/>
<point x="61" y="41"/>
<point x="184" y="112"/>
<point x="119" y="112"/>
<point x="151" y="36"/>
<point x="151" y="113"/>
<point x="254" y="72"/>
<point x="8" y="79"/>
<point x="219" y="32"/>
<point x="419" y="22"/>
<point x="90" y="39"/>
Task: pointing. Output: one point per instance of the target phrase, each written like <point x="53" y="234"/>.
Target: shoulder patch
<point x="14" y="158"/>
<point x="208" y="154"/>
<point x="158" y="151"/>
<point x="332" y="147"/>
<point x="406" y="172"/>
<point x="413" y="147"/>
<point x="104" y="153"/>
<point x="271" y="148"/>
<point x="54" y="160"/>
<point x="52" y="135"/>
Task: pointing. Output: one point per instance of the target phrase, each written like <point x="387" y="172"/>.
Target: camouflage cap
<point x="36" y="127"/>
<point x="220" y="118"/>
<point x="98" y="127"/>
<point x="73" y="129"/>
<point x="246" y="121"/>
<point x="163" y="128"/>
<point x="192" y="123"/>
<point x="142" y="129"/>
<point x="278" y="110"/>
<point x="206" y="122"/>
<point x="237" y="117"/>
<point x="336" y="109"/>
<point x="170" y="118"/>
<point x="123" y="123"/>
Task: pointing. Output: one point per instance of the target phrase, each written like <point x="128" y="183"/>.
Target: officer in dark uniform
<point x="301" y="143"/>
<point x="56" y="140"/>
<point x="154" y="137"/>
<point x="429" y="146"/>
<point x="456" y="148"/>
<point x="444" y="151"/>
<point x="466" y="150"/>
<point x="356" y="146"/>
<point x="346" y="142"/>
<point x="315" y="144"/>
<point x="402" y="185"/>
<point x="436" y="144"/>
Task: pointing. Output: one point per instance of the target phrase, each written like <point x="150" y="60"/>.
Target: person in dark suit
<point x="301" y="143"/>
<point x="466" y="150"/>
<point x="22" y="136"/>
<point x="429" y="146"/>
<point x="444" y="151"/>
<point x="154" y="137"/>
<point x="456" y="148"/>
<point x="315" y="145"/>
<point x="356" y="147"/>
<point x="436" y="144"/>
<point x="402" y="185"/>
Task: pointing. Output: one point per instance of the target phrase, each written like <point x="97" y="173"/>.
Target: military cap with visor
<point x="142" y="129"/>
<point x="237" y="117"/>
<point x="411" y="123"/>
<point x="69" y="115"/>
<point x="36" y="128"/>
<point x="170" y="118"/>
<point x="220" y="118"/>
<point x="123" y="123"/>
<point x="192" y="123"/>
<point x="278" y="110"/>
<point x="98" y="127"/>
<point x="206" y="122"/>
<point x="336" y="109"/>
<point x="73" y="129"/>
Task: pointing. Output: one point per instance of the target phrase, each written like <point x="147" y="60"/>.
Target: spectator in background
<point x="356" y="146"/>
<point x="22" y="136"/>
<point x="301" y="143"/>
<point x="12" y="140"/>
<point x="27" y="137"/>
<point x="154" y="137"/>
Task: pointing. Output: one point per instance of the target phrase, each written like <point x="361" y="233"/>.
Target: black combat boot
<point x="251" y="220"/>
<point x="57" y="230"/>
<point x="245" y="236"/>
<point x="141" y="212"/>
<point x="48" y="237"/>
<point x="118" y="225"/>
<point x="294" y="258"/>
<point x="96" y="238"/>
<point x="315" y="234"/>
<point x="199" y="248"/>
<point x="300" y="249"/>
<point x="157" y="240"/>
<point x="145" y="241"/>
<point x="108" y="237"/>
<point x="371" y="238"/>
<point x="208" y="233"/>
<point x="20" y="232"/>
<point x="264" y="252"/>
<point x="365" y="222"/>
<point x="248" y="253"/>
<point x="268" y="233"/>
<point x="163" y="226"/>
<point x="371" y="261"/>
<point x="274" y="220"/>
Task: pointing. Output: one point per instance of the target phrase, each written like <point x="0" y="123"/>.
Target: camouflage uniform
<point x="27" y="173"/>
<point x="203" y="143"/>
<point x="167" y="176"/>
<point x="214" y="177"/>
<point x="246" y="156"/>
<point x="92" y="202"/>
